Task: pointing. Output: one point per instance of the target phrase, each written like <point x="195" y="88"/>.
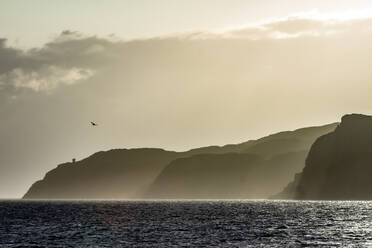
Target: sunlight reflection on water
<point x="186" y="223"/>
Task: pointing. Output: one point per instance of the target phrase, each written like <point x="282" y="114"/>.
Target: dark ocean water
<point x="185" y="224"/>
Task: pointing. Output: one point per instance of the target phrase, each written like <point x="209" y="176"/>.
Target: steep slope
<point x="278" y="158"/>
<point x="124" y="173"/>
<point x="226" y="176"/>
<point x="339" y="164"/>
<point x="283" y="142"/>
<point x="114" y="174"/>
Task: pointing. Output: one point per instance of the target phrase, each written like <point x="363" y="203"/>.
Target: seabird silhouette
<point x="93" y="124"/>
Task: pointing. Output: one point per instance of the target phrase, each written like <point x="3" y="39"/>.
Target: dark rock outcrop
<point x="130" y="173"/>
<point x="114" y="174"/>
<point x="226" y="176"/>
<point x="278" y="158"/>
<point x="339" y="164"/>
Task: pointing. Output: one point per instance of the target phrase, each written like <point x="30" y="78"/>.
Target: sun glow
<point x="337" y="16"/>
<point x="315" y="14"/>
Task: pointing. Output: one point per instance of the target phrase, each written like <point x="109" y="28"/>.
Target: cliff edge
<point x="339" y="164"/>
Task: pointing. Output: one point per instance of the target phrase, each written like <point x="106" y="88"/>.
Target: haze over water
<point x="171" y="74"/>
<point x="186" y="223"/>
<point x="187" y="99"/>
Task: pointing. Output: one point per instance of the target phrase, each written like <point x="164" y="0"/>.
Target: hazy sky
<point x="32" y="23"/>
<point x="213" y="72"/>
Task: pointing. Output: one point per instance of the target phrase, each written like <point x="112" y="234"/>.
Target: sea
<point x="191" y="223"/>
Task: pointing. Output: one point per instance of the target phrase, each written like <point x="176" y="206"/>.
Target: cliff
<point x="226" y="176"/>
<point x="339" y="164"/>
<point x="135" y="173"/>
<point x="114" y="174"/>
<point x="231" y="171"/>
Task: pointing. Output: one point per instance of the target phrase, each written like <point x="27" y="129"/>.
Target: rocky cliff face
<point x="123" y="173"/>
<point x="115" y="174"/>
<point x="226" y="176"/>
<point x="339" y="164"/>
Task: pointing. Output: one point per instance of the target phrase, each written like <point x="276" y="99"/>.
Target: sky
<point x="172" y="74"/>
<point x="29" y="24"/>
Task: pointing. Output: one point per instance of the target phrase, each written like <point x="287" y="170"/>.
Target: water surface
<point x="185" y="224"/>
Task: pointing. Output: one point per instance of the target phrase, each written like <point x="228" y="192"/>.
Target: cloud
<point x="73" y="57"/>
<point x="45" y="78"/>
<point x="295" y="27"/>
<point x="69" y="59"/>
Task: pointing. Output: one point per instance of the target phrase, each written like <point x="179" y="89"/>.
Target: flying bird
<point x="93" y="124"/>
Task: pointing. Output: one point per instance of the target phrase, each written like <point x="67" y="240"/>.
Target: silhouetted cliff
<point x="339" y="164"/>
<point x="124" y="173"/>
<point x="114" y="174"/>
<point x="223" y="176"/>
<point x="282" y="142"/>
<point x="278" y="158"/>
